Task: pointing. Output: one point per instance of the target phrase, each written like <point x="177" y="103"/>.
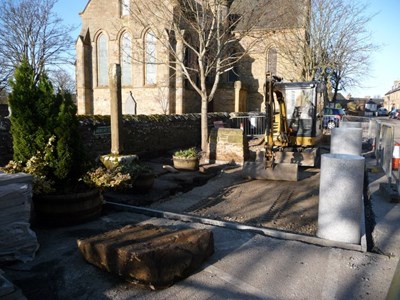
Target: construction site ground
<point x="229" y="196"/>
<point x="246" y="264"/>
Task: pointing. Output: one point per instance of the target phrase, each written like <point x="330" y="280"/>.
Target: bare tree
<point x="338" y="45"/>
<point x="29" y="28"/>
<point x="353" y="46"/>
<point x="63" y="81"/>
<point x="204" y="39"/>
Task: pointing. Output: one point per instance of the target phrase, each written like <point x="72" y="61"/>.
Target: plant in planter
<point x="126" y="177"/>
<point x="46" y="144"/>
<point x="187" y="159"/>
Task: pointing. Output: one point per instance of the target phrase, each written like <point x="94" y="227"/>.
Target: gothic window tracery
<point x="126" y="59"/>
<point x="150" y="58"/>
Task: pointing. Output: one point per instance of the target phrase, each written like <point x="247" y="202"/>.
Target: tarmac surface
<point x="245" y="265"/>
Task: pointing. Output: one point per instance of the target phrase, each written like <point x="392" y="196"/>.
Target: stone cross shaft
<point x="116" y="108"/>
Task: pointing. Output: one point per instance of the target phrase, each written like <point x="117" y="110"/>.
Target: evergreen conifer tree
<point x="22" y="102"/>
<point x="37" y="114"/>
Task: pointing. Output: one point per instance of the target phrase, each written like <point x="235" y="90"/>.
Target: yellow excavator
<point x="293" y="129"/>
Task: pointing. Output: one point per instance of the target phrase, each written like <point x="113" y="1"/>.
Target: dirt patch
<point x="289" y="206"/>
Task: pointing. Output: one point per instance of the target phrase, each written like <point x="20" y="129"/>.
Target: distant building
<point x="392" y="97"/>
<point x="364" y="106"/>
<point x="109" y="35"/>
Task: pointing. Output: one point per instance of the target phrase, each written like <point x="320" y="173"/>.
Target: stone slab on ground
<point x="147" y="254"/>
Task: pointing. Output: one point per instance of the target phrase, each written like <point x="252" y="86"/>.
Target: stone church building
<point x="110" y="35"/>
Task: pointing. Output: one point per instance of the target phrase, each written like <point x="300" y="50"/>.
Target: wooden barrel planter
<point x="67" y="209"/>
<point x="143" y="183"/>
<point x="183" y="163"/>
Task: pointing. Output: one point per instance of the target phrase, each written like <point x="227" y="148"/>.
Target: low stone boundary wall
<point x="144" y="135"/>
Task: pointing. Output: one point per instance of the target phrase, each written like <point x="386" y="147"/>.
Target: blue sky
<point x="385" y="66"/>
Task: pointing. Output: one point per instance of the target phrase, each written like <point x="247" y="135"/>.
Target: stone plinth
<point x="147" y="254"/>
<point x="111" y="161"/>
<point x="228" y="145"/>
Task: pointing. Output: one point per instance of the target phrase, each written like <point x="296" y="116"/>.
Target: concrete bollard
<point x="350" y="125"/>
<point x="340" y="197"/>
<point x="346" y="140"/>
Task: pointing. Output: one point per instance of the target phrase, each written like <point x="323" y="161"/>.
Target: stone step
<point x="148" y="254"/>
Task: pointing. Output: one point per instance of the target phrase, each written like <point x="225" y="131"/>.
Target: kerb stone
<point x="147" y="254"/>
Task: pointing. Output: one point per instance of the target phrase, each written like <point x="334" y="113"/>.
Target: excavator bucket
<point x="283" y="171"/>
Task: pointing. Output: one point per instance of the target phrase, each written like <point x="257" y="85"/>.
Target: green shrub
<point x="40" y="118"/>
<point x="121" y="177"/>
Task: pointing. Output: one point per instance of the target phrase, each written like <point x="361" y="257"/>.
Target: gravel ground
<point x="289" y="206"/>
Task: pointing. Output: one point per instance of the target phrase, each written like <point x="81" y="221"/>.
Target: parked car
<point x="332" y="117"/>
<point x="383" y="111"/>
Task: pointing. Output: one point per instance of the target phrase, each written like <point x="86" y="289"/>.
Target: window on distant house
<point x="126" y="59"/>
<point x="125" y="7"/>
<point x="102" y="60"/>
<point x="150" y="58"/>
<point x="272" y="61"/>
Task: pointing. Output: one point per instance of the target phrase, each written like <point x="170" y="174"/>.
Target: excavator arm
<point x="277" y="129"/>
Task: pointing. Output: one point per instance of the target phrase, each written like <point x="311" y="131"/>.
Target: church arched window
<point x="150" y="58"/>
<point x="126" y="59"/>
<point x="102" y="60"/>
<point x="125" y="7"/>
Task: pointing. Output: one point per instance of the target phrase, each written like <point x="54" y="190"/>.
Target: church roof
<point x="272" y="14"/>
<point x="87" y="4"/>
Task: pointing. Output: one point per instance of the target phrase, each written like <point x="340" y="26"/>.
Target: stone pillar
<point x="240" y="97"/>
<point x="116" y="108"/>
<point x="346" y="140"/>
<point x="340" y="197"/>
<point x="84" y="78"/>
<point x="179" y="77"/>
<point x="238" y="86"/>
